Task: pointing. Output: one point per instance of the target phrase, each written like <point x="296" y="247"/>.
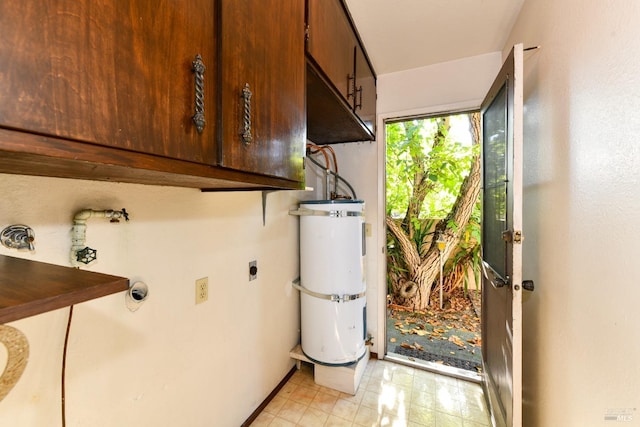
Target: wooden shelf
<point x="30" y="287"/>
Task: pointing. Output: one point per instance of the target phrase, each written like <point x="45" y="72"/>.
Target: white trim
<point x="381" y="205"/>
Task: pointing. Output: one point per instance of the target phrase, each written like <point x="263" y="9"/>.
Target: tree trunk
<point x="421" y="182"/>
<point x="424" y="270"/>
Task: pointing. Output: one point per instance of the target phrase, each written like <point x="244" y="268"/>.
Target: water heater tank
<point x="332" y="281"/>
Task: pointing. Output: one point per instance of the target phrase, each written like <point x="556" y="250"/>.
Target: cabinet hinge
<point x="306" y="33"/>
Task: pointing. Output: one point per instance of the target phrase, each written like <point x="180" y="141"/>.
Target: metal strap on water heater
<point x="332" y="214"/>
<point x="331" y="297"/>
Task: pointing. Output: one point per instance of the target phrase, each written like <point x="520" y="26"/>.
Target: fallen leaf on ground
<point x="475" y="341"/>
<point x="457" y="341"/>
<point x="392" y="340"/>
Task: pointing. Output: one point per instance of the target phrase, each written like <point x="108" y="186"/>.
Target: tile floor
<point x="389" y="395"/>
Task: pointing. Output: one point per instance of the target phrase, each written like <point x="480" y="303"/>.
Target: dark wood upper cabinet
<point x="262" y="87"/>
<point x="107" y="91"/>
<point x="332" y="43"/>
<point x="341" y="84"/>
<point x="364" y="103"/>
<point x="112" y="73"/>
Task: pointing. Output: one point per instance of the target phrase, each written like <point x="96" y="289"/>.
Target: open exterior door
<point x="501" y="243"/>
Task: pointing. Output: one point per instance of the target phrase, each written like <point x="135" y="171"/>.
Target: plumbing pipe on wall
<point x="79" y="233"/>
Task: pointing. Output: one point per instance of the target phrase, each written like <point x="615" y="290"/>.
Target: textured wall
<point x="171" y="362"/>
<point x="581" y="203"/>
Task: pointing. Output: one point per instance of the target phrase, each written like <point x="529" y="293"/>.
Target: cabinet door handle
<point x="358" y="104"/>
<point x="198" y="71"/>
<point x="246" y="115"/>
<point x="351" y="86"/>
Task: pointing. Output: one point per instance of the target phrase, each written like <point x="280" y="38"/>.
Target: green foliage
<point x="436" y="153"/>
<point x="429" y="147"/>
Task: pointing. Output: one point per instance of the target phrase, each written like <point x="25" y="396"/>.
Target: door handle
<point x="528" y="285"/>
<point x="499" y="282"/>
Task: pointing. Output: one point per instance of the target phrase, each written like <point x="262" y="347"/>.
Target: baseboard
<point x="269" y="398"/>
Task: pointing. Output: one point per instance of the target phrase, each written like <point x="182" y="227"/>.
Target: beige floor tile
<point x="345" y="409"/>
<point x="447" y="420"/>
<point x="447" y="401"/>
<point x="298" y="376"/>
<point x="330" y="391"/>
<point x="355" y="398"/>
<point x="468" y="423"/>
<point x="396" y="400"/>
<point x="263" y="420"/>
<point x="367" y="417"/>
<point x="334" y="421"/>
<point x="303" y="394"/>
<point x="389" y="395"/>
<point x="475" y="414"/>
<point x="287" y="389"/>
<point x="422" y="417"/>
<point x="403" y="378"/>
<point x="291" y="411"/>
<point x="310" y="383"/>
<point x="313" y="417"/>
<point x="423" y="399"/>
<point x="371" y="399"/>
<point x="324" y="402"/>
<point x="473" y="397"/>
<point x="275" y="405"/>
<point x="424" y="384"/>
<point x="281" y="422"/>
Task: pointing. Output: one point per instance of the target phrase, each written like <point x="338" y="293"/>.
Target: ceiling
<point x="403" y="34"/>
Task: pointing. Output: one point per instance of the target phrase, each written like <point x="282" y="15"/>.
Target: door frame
<point x="380" y="348"/>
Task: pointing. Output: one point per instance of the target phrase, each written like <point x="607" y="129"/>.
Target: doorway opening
<point x="433" y="242"/>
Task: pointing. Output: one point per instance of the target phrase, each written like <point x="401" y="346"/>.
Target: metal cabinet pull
<point x="198" y="71"/>
<point x="351" y="86"/>
<point x="246" y="116"/>
<point x="358" y="104"/>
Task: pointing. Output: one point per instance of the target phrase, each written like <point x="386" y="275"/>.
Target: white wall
<point x="451" y="86"/>
<point x="171" y="363"/>
<point x="581" y="176"/>
<point x="429" y="89"/>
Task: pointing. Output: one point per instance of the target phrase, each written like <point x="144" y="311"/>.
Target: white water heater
<point x="332" y="281"/>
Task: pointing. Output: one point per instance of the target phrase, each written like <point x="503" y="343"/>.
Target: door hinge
<point x="306" y="33"/>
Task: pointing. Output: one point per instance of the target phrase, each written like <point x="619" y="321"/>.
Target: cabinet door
<point x="263" y="122"/>
<point x="114" y="73"/>
<point x="332" y="43"/>
<point x="364" y="104"/>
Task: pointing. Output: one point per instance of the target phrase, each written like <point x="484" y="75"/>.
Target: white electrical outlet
<point x="202" y="290"/>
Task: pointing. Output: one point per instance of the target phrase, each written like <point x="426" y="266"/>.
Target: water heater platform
<point x="342" y="378"/>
